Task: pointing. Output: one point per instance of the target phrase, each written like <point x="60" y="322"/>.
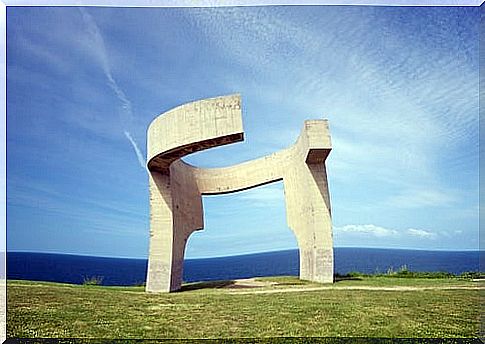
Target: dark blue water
<point x="121" y="271"/>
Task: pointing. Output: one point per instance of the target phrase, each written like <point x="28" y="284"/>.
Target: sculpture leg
<point x="320" y="225"/>
<point x="316" y="263"/>
<point x="178" y="255"/>
<point x="175" y="213"/>
<point x="159" y="273"/>
<point x="308" y="213"/>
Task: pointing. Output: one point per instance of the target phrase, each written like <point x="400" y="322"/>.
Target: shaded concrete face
<point x="176" y="188"/>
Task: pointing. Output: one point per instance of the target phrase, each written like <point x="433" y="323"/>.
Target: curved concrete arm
<point x="193" y="127"/>
<point x="313" y="146"/>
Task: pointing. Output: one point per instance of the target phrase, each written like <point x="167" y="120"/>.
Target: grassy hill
<point x="266" y="307"/>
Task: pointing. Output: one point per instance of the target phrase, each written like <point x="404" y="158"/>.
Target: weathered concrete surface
<point x="176" y="187"/>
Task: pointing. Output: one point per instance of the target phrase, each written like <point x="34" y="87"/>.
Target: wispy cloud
<point x="422" y="198"/>
<point x="126" y="113"/>
<point x="373" y="230"/>
<point x="43" y="54"/>
<point x="403" y="113"/>
<point x="420" y="233"/>
<point x="35" y="195"/>
<point x="381" y="232"/>
<point x="387" y="114"/>
<point x="138" y="152"/>
<point x="113" y="218"/>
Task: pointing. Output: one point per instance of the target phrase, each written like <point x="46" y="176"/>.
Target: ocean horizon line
<point x="248" y="253"/>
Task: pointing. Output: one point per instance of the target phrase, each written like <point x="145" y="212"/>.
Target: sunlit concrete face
<point x="176" y="188"/>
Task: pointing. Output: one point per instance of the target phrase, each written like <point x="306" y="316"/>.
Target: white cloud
<point x="43" y="54"/>
<point x="389" y="124"/>
<point x="381" y="232"/>
<point x="138" y="152"/>
<point x="420" y="233"/>
<point x="98" y="41"/>
<point x="126" y="113"/>
<point x="366" y="229"/>
<point x="392" y="120"/>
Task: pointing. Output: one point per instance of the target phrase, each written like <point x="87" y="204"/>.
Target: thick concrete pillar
<point x="308" y="215"/>
<point x="159" y="273"/>
<point x="175" y="213"/>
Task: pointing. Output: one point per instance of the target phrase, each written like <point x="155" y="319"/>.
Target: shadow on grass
<point x="207" y="285"/>
<point x="339" y="278"/>
<point x="231" y="284"/>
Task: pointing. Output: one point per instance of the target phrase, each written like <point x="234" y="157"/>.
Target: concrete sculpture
<point x="176" y="188"/>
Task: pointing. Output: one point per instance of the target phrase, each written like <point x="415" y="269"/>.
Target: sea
<point x="66" y="268"/>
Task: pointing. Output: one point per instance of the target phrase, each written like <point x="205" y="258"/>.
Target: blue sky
<point x="399" y="86"/>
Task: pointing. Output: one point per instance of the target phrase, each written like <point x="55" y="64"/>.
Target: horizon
<point x="398" y="85"/>
<point x="252" y="253"/>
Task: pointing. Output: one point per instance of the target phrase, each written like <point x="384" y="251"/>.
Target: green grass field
<point x="287" y="308"/>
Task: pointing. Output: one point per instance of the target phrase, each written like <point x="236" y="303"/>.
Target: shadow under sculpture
<point x="176" y="188"/>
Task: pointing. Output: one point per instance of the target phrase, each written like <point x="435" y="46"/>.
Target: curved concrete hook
<point x="176" y="187"/>
<point x="193" y="127"/>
